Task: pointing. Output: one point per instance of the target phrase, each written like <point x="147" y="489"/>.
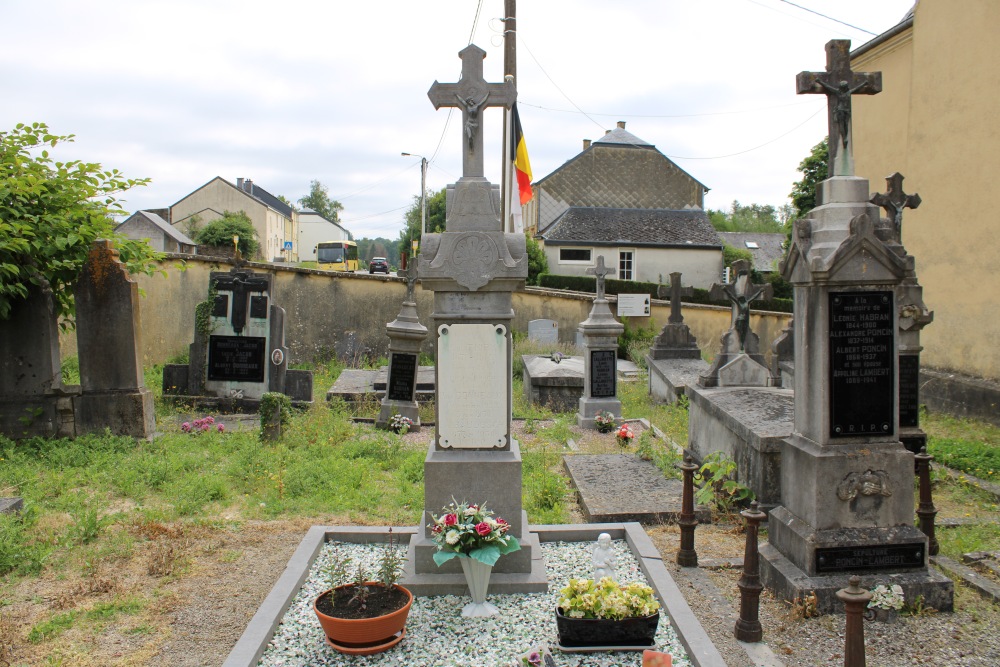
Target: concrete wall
<point x="931" y="124"/>
<point x="701" y="267"/>
<point x="325" y="310"/>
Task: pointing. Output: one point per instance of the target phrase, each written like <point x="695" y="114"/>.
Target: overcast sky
<point x="182" y="91"/>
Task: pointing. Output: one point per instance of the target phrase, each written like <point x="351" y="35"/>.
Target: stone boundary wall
<point x="329" y="312"/>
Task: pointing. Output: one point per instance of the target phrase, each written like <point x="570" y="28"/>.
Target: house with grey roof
<point x="767" y="248"/>
<point x="623" y="199"/>
<point x="315" y="229"/>
<point x="161" y="236"/>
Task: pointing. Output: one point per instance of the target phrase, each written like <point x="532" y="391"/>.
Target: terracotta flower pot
<point x="584" y="632"/>
<point x="364" y="636"/>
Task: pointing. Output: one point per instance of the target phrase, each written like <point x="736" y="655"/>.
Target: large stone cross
<point x="472" y="94"/>
<point x="839" y="83"/>
<point x="676" y="292"/>
<point x="741" y="292"/>
<point x="600" y="271"/>
<point x="242" y="284"/>
<point x="894" y="201"/>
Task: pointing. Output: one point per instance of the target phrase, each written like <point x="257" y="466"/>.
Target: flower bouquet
<point x="886" y="603"/>
<point x="606" y="614"/>
<point x="624" y="436"/>
<point x="470" y="531"/>
<point x="400" y="424"/>
<point x="605" y="422"/>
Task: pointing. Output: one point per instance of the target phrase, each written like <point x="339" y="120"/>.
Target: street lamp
<point x="423" y="191"/>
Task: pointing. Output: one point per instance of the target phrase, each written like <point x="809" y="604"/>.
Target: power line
<point x="683" y="115"/>
<point x="372" y="185"/>
<point x="375" y="215"/>
<point x="719" y="157"/>
<point x="575" y="105"/>
<point x="830" y="18"/>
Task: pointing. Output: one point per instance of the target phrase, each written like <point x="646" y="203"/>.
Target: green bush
<point x="220" y="232"/>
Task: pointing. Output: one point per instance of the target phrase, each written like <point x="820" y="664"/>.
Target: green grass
<point x="964" y="539"/>
<point x="970" y="446"/>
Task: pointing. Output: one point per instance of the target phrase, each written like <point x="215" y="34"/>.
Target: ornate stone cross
<point x="741" y="292"/>
<point x="894" y="201"/>
<point x="472" y="94"/>
<point x="410" y="273"/>
<point x="838" y="83"/>
<point x="600" y="271"/>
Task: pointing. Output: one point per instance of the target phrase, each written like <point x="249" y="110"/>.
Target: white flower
<point x="451" y="537"/>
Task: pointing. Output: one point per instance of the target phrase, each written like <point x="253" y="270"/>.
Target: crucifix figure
<point x="839" y="83"/>
<point x="600" y="271"/>
<point x="741" y="293"/>
<point x="410" y="273"/>
<point x="472" y="94"/>
<point x="894" y="201"/>
<point x="242" y="284"/>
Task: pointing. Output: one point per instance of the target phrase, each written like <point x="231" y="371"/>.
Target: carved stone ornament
<point x="867" y="483"/>
<point x="474" y="257"/>
<point x="862" y="225"/>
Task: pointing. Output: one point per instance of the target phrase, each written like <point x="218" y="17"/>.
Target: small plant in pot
<point x="361" y="616"/>
<point x="606" y="614"/>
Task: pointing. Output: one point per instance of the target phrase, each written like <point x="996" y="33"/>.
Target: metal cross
<point x="600" y="271"/>
<point x="242" y="284"/>
<point x="740" y="294"/>
<point x="894" y="201"/>
<point x="839" y="83"/>
<point x="472" y="94"/>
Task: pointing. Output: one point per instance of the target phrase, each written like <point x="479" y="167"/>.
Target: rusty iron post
<point x="748" y="628"/>
<point x="926" y="510"/>
<point x="855" y="600"/>
<point x="686" y="555"/>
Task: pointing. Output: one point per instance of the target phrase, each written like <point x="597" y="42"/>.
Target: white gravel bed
<point x="438" y="636"/>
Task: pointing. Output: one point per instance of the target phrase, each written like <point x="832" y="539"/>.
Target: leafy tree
<point x="537" y="262"/>
<point x="50" y="215"/>
<point x="377" y="247"/>
<point x="319" y="200"/>
<point x="814" y="170"/>
<point x="436" y="205"/>
<point x="220" y="232"/>
<point x="751" y="218"/>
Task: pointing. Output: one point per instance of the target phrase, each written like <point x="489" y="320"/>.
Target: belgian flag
<point x="519" y="151"/>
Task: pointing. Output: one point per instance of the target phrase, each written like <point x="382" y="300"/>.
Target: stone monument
<point x="846" y="480"/>
<point x="406" y="334"/>
<point x="472" y="268"/>
<point x="599" y="333"/>
<point x="674" y="360"/>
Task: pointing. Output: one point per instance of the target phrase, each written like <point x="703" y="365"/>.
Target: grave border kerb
<point x="259" y="631"/>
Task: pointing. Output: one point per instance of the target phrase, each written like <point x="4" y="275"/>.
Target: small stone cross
<point x="839" y="83"/>
<point x="600" y="271"/>
<point x="676" y="292"/>
<point x="741" y="293"/>
<point x="410" y="273"/>
<point x="894" y="201"/>
<point x="472" y="94"/>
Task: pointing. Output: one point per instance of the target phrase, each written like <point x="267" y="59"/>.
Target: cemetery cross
<point x="894" y="201"/>
<point x="410" y="273"/>
<point x="839" y="83"/>
<point x="600" y="271"/>
<point x="741" y="295"/>
<point x="241" y="284"/>
<point x="472" y="94"/>
<point x="676" y="292"/>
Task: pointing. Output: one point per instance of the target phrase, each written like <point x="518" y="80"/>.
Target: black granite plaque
<point x="909" y="393"/>
<point x="603" y="373"/>
<point x="220" y="308"/>
<point x="402" y="376"/>
<point x="862" y="364"/>
<point x="875" y="557"/>
<point x="258" y="307"/>
<point x="236" y="358"/>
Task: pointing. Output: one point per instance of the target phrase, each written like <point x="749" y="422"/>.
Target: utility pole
<point x="423" y="197"/>
<point x="509" y="69"/>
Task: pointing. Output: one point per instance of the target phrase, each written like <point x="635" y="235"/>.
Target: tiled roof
<point x="620" y="135"/>
<point x="167" y="228"/>
<point x="633" y="226"/>
<point x="270" y="200"/>
<point x="768" y="252"/>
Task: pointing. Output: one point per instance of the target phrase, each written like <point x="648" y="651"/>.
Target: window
<point x="752" y="245"/>
<point x="625" y="264"/>
<point x="575" y="255"/>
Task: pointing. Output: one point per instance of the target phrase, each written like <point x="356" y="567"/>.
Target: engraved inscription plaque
<point x="474" y="382"/>
<point x="603" y="367"/>
<point x="258" y="307"/>
<point x="402" y="376"/>
<point x="862" y="364"/>
<point x="236" y="358"/>
<point x="876" y="557"/>
<point x="909" y="394"/>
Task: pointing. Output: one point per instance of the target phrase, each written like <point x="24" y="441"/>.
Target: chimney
<point x="239" y="183"/>
<point x="248" y="186"/>
<point x="586" y="144"/>
<point x="607" y="132"/>
<point x="621" y="124"/>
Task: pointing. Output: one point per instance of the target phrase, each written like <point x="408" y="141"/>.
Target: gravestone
<point x="108" y="327"/>
<point x="783" y="355"/>
<point x="543" y="331"/>
<point x="846" y="480"/>
<point x="554" y="381"/>
<point x="406" y="334"/>
<point x="739" y="362"/>
<point x="674" y="360"/>
<point x="239" y="351"/>
<point x="472" y="268"/>
<point x="600" y="333"/>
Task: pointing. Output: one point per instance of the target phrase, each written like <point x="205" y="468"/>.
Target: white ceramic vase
<point x="477" y="575"/>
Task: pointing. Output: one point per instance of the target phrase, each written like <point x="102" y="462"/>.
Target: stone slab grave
<point x="621" y="487"/>
<point x="559" y="384"/>
<point x="749" y="426"/>
<point x="360" y="384"/>
<point x="11" y="505"/>
<point x="239" y="350"/>
<point x="252" y="644"/>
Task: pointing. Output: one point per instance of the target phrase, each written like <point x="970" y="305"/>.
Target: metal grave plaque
<point x="220" y="307"/>
<point x="402" y="376"/>
<point x="862" y="364"/>
<point x="603" y="374"/>
<point x="258" y="307"/>
<point x="473" y="367"/>
<point x="909" y="393"/>
<point x="874" y="557"/>
<point x="236" y="358"/>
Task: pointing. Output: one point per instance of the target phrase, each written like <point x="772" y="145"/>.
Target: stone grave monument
<point x="783" y="355"/>
<point x="239" y="352"/>
<point x="600" y="333"/>
<point x="108" y="330"/>
<point x="674" y="360"/>
<point x="472" y="268"/>
<point x="544" y="331"/>
<point x="847" y="505"/>
<point x="406" y="334"/>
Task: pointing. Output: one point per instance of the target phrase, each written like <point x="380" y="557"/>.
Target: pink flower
<point x="502" y="525"/>
<point x="186" y="427"/>
<point x="534" y="658"/>
<point x="437" y="530"/>
<point x="221" y="428"/>
<point x="450" y="519"/>
<point x="483" y="529"/>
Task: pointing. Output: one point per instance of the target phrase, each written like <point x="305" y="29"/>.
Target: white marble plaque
<point x="633" y="305"/>
<point x="473" y="386"/>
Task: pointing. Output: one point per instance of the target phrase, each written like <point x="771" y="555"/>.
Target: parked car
<point x="378" y="264"/>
